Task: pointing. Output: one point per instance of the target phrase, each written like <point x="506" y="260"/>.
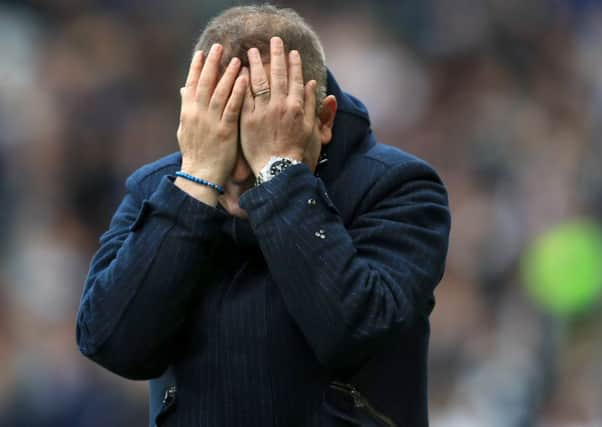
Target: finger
<point x="249" y="102"/>
<point x="235" y="103"/>
<point x="209" y="74"/>
<point x="296" y="88"/>
<point x="310" y="100"/>
<point x="278" y="68"/>
<point x="259" y="79"/>
<point x="196" y="65"/>
<point x="224" y="87"/>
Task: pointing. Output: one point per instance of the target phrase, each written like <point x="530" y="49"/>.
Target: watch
<point x="274" y="166"/>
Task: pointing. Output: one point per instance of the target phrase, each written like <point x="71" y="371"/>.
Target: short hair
<point x="240" y="28"/>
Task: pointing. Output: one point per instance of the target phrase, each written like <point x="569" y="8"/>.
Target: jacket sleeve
<point x="143" y="278"/>
<point x="350" y="289"/>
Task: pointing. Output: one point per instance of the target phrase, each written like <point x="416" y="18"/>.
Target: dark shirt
<point x="330" y="278"/>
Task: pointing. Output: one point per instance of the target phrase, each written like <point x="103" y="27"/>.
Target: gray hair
<point x="240" y="28"/>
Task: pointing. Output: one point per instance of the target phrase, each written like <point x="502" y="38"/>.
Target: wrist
<point x="274" y="166"/>
<point x="202" y="193"/>
<point x="261" y="163"/>
<point x="209" y="174"/>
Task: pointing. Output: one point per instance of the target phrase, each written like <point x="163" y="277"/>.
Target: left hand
<point x="277" y="119"/>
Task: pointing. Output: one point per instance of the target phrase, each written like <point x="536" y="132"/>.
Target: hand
<point x="208" y="131"/>
<point x="277" y="121"/>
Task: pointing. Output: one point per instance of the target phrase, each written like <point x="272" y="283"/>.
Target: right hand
<point x="208" y="130"/>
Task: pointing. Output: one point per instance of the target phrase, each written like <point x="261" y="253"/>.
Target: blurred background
<point x="503" y="97"/>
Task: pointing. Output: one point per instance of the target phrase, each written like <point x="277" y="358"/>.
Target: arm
<point x="143" y="279"/>
<point x="145" y="275"/>
<point x="348" y="290"/>
<point x="355" y="288"/>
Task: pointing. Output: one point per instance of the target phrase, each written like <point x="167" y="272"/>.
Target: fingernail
<point x="234" y="61"/>
<point x="295" y="54"/>
<point x="277" y="40"/>
<point x="215" y="47"/>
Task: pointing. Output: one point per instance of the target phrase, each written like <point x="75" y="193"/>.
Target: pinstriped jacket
<point x="250" y="321"/>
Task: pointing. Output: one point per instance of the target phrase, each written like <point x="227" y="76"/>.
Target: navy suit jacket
<point x="330" y="278"/>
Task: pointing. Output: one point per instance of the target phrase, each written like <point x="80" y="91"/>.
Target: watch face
<point x="279" y="165"/>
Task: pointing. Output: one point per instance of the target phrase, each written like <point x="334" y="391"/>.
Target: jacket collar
<point x="351" y="125"/>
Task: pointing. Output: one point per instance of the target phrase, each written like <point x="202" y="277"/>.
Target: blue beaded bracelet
<point x="194" y="179"/>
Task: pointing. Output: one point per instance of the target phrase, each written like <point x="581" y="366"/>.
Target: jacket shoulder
<point x="390" y="156"/>
<point x="386" y="163"/>
<point x="377" y="171"/>
<point x="146" y="178"/>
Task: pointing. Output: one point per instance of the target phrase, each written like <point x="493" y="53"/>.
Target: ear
<point x="326" y="118"/>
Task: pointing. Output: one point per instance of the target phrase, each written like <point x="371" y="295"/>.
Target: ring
<point x="262" y="92"/>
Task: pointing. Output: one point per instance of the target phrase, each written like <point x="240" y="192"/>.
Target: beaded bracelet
<point x="196" y="180"/>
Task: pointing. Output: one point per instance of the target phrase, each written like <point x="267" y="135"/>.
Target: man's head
<point x="240" y="28"/>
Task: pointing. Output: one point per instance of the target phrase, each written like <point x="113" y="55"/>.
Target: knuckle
<point x="216" y="104"/>
<point x="239" y="89"/>
<point x="280" y="72"/>
<point x="261" y="83"/>
<point x="282" y="109"/>
<point x="298" y="86"/>
<point x="223" y="130"/>
<point x="295" y="107"/>
<point x="191" y="121"/>
<point x="190" y="115"/>
<point x="250" y="121"/>
<point x="221" y="94"/>
<point x="231" y="116"/>
<point x="250" y="116"/>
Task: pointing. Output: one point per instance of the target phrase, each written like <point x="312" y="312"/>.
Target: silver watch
<point x="274" y="166"/>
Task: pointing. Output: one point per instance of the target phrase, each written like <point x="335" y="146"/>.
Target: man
<point x="301" y="295"/>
